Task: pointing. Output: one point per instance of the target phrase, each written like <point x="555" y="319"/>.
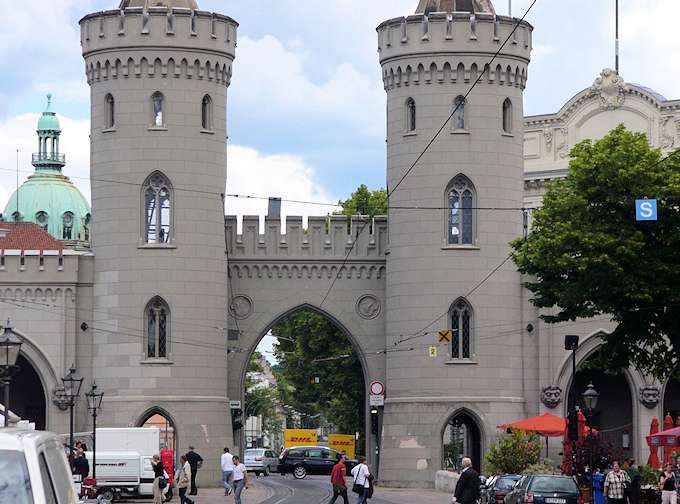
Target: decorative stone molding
<point x="650" y="396"/>
<point x="307" y="270"/>
<point x="368" y="307"/>
<point x="241" y="307"/>
<point x="562" y="144"/>
<point x="548" y="136"/>
<point x="551" y="396"/>
<point x="59" y="398"/>
<point x="667" y="132"/>
<point x="611" y="89"/>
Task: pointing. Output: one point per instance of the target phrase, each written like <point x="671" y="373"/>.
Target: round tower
<point x="430" y="61"/>
<point x="158" y="73"/>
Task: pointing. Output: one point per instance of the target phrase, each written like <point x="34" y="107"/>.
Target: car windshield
<point x="506" y="483"/>
<point x="15" y="484"/>
<point x="553" y="484"/>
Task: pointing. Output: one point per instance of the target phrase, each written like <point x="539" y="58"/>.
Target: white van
<point x="34" y="469"/>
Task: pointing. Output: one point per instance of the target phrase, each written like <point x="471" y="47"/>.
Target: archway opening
<point x="613" y="417"/>
<point x="305" y="374"/>
<point x="27" y="395"/>
<point x="462" y="438"/>
<point x="161" y="421"/>
<point x="671" y="399"/>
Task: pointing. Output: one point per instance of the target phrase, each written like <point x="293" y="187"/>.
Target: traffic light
<point x="236" y="422"/>
<point x="375" y="424"/>
<point x="573" y="426"/>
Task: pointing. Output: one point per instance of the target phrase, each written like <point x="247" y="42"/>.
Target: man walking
<point x="467" y="488"/>
<point x="227" y="462"/>
<point x="615" y="485"/>
<point x="195" y="462"/>
<point x="240" y="480"/>
<point x="338" y="480"/>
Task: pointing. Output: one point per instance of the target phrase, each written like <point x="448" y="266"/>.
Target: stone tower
<point x="158" y="73"/>
<point x="429" y="62"/>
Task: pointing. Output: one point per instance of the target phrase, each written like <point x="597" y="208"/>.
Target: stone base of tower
<point x="201" y="422"/>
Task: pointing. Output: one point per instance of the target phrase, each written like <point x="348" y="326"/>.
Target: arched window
<point x="410" y="114"/>
<point x="461" y="328"/>
<point x="507" y="116"/>
<point x="41" y="219"/>
<point x="459" y="113"/>
<point x="157" y="108"/>
<point x="206" y="113"/>
<point x="110" y="113"/>
<point x="461" y="203"/>
<point x="86" y="227"/>
<point x="462" y="438"/>
<point x="157" y="201"/>
<point x="157" y="317"/>
<point x="67" y="226"/>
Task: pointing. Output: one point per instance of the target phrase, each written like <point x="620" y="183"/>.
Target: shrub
<point x="545" y="466"/>
<point x="513" y="453"/>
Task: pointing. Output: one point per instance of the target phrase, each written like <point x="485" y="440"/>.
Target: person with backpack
<point x="361" y="481"/>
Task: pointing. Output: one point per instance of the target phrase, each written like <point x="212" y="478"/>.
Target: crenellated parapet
<point x="331" y="238"/>
<point x="158" y="42"/>
<point x="453" y="48"/>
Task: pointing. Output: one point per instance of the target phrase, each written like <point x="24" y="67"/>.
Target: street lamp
<point x="10" y="344"/>
<point x="590" y="397"/>
<point x="72" y="383"/>
<point x="94" y="403"/>
<point x="571" y="343"/>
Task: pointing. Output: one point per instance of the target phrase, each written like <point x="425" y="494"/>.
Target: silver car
<point x="261" y="461"/>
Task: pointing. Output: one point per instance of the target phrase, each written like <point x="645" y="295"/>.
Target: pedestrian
<point x="667" y="485"/>
<point x="240" y="479"/>
<point x="182" y="479"/>
<point x="227" y="463"/>
<point x="339" y="481"/>
<point x="676" y="471"/>
<point x="467" y="488"/>
<point x="598" y="486"/>
<point x="360" y="481"/>
<point x="81" y="465"/>
<point x="633" y="493"/>
<point x="158" y="472"/>
<point x="615" y="484"/>
<point x="195" y="461"/>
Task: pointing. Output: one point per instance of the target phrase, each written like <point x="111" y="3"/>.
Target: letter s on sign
<point x="646" y="209"/>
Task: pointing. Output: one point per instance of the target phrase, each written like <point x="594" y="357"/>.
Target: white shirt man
<point x="227" y="463"/>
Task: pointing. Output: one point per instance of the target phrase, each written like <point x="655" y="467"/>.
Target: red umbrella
<point x="667" y="425"/>
<point x="547" y="425"/>
<point x="677" y="421"/>
<point x="654" y="448"/>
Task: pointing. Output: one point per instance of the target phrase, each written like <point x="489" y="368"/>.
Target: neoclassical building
<point x="160" y="299"/>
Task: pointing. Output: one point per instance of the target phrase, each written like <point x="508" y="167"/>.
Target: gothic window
<point x="157" y="201"/>
<point x="507" y="116"/>
<point x="86" y="227"/>
<point x="157" y="105"/>
<point x="41" y="220"/>
<point x="206" y="113"/>
<point x="462" y="329"/>
<point x="459" y="113"/>
<point x="157" y="319"/>
<point x="110" y="117"/>
<point x="67" y="226"/>
<point x="461" y="214"/>
<point x="410" y="114"/>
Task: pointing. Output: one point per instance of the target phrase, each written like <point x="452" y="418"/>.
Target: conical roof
<point x="474" y="6"/>
<point x="187" y="4"/>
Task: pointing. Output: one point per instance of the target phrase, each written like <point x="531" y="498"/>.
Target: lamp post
<point x="72" y="383"/>
<point x="571" y="343"/>
<point x="10" y="345"/>
<point x="590" y="397"/>
<point x="94" y="403"/>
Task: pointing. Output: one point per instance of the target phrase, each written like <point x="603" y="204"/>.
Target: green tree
<point x="587" y="256"/>
<point x="513" y="453"/>
<point x="365" y="202"/>
<point x="261" y="400"/>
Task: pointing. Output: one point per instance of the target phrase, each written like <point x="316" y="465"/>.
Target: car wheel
<point x="299" y="472"/>
<point x="267" y="471"/>
<point x="107" y="494"/>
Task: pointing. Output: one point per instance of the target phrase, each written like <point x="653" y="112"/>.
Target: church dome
<point x="473" y="6"/>
<point x="186" y="4"/>
<point x="48" y="120"/>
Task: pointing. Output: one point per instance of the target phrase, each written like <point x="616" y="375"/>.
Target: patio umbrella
<point x="667" y="424"/>
<point x="546" y="425"/>
<point x="654" y="448"/>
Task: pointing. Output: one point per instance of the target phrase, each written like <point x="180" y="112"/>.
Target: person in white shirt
<point x="227" y="463"/>
<point x="240" y="479"/>
<point x="360" y="476"/>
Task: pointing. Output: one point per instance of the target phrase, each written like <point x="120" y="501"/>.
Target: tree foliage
<point x="365" y="202"/>
<point x="587" y="255"/>
<point x="513" y="453"/>
<point x="261" y="400"/>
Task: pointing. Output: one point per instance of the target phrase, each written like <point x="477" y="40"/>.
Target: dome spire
<point x="48" y="158"/>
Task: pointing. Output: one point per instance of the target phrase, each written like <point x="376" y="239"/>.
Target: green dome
<point x="48" y="121"/>
<point x="54" y="203"/>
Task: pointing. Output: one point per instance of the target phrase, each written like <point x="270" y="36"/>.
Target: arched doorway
<point x="613" y="417"/>
<point x="161" y="420"/>
<point x="671" y="399"/>
<point x="461" y="438"/>
<point x="27" y="395"/>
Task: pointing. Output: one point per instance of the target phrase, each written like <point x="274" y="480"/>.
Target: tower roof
<point x="48" y="122"/>
<point x="474" y="6"/>
<point x="187" y="4"/>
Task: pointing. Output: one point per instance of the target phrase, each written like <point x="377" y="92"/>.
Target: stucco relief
<point x="548" y="137"/>
<point x="562" y="143"/>
<point x="611" y="89"/>
<point x="241" y="307"/>
<point x="650" y="395"/>
<point x="368" y="307"/>
<point x="551" y="396"/>
<point x="666" y="132"/>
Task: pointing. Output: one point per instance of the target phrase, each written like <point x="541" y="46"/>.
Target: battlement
<point x="325" y="237"/>
<point x="159" y="29"/>
<point x="18" y="265"/>
<point x="422" y="49"/>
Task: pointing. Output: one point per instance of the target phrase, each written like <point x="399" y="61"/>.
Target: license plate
<point x="552" y="500"/>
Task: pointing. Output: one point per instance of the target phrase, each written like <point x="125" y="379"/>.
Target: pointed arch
<point x="462" y="436"/>
<point x="207" y="113"/>
<point x="461" y="200"/>
<point x="410" y="115"/>
<point x="462" y="327"/>
<point x="157" y="214"/>
<point x="163" y="420"/>
<point x="157" y="329"/>
<point x="507" y="116"/>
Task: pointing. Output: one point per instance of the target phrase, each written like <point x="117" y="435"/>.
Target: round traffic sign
<point x="377" y="388"/>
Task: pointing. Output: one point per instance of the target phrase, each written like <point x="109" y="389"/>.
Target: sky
<point x="306" y="103"/>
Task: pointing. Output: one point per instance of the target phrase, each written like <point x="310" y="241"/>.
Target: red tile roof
<point x="26" y="236"/>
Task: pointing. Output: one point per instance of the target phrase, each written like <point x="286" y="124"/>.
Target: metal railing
<point x="48" y="157"/>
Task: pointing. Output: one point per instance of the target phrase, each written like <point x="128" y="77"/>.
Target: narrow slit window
<point x="157" y="201"/>
<point x="459" y="113"/>
<point x="206" y="113"/>
<point x="157" y="315"/>
<point x="110" y="116"/>
<point x="410" y="115"/>
<point x="507" y="116"/>
<point x="158" y="105"/>
<point x="461" y="327"/>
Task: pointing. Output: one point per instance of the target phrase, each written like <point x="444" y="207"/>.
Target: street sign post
<point x="234" y="404"/>
<point x="645" y="210"/>
<point x="376" y="390"/>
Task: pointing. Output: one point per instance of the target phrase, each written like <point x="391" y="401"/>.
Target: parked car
<point x="303" y="460"/>
<point x="34" y="469"/>
<point x="497" y="487"/>
<point x="261" y="461"/>
<point x="545" y="489"/>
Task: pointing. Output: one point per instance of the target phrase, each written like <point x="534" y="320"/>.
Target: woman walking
<point x="361" y="481"/>
<point x="667" y="485"/>
<point x="157" y="475"/>
<point x="240" y="479"/>
<point x="183" y="479"/>
<point x="598" y="486"/>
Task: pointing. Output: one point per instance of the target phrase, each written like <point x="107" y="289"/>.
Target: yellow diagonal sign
<point x="445" y="336"/>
